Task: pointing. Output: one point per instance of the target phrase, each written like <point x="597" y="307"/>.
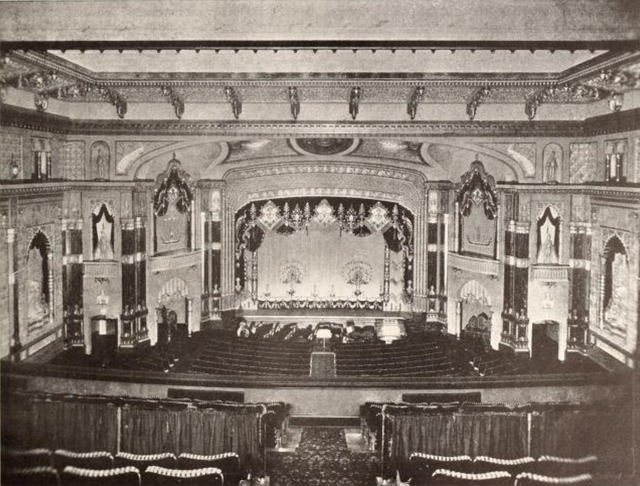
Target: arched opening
<point x="316" y="253"/>
<point x="475" y="312"/>
<point x="102" y="232"/>
<point x="615" y="293"/>
<point x="548" y="237"/>
<point x="174" y="311"/>
<point x="39" y="282"/>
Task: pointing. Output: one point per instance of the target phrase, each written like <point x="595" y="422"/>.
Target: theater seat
<point x="482" y="464"/>
<point x="456" y="478"/>
<point x="89" y="460"/>
<point x="565" y="466"/>
<point x="33" y="476"/>
<point x="122" y="476"/>
<point x="26" y="458"/>
<point x="227" y="462"/>
<point x="531" y="479"/>
<point x="422" y="466"/>
<point x="160" y="476"/>
<point x="142" y="461"/>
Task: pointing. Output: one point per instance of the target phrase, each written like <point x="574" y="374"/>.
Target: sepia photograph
<point x="319" y="242"/>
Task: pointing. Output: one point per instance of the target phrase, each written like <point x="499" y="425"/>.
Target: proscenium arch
<point x="350" y="178"/>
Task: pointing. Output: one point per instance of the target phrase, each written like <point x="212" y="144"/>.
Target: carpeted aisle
<point x="323" y="459"/>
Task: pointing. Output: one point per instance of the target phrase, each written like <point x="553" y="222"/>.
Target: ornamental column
<point x="14" y="316"/>
<point x="72" y="283"/>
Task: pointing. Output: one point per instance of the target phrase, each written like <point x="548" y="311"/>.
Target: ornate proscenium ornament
<point x="112" y="96"/>
<point x="416" y="97"/>
<point x="354" y="101"/>
<point x="175" y="98"/>
<point x="294" y="102"/>
<point x="478" y="96"/>
<point x="477" y="187"/>
<point x="234" y="101"/>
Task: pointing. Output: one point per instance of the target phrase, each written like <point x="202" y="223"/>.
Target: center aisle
<point x="323" y="459"/>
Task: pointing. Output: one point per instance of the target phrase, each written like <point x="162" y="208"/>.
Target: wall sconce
<point x="15" y="168"/>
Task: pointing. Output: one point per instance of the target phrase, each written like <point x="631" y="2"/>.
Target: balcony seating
<point x="483" y="464"/>
<point x="455" y="478"/>
<point x="124" y="476"/>
<point x="565" y="466"/>
<point x="32" y="476"/>
<point x="89" y="460"/>
<point x="159" y="476"/>
<point x="29" y="458"/>
<point x="530" y="479"/>
<point x="228" y="463"/>
<point x="142" y="461"/>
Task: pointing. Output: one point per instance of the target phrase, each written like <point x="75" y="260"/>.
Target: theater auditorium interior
<point x="322" y="243"/>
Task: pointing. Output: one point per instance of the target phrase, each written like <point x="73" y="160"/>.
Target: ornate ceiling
<point x="295" y="53"/>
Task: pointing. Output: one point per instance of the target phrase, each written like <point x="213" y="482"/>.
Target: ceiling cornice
<point x="324" y="45"/>
<point x="613" y="123"/>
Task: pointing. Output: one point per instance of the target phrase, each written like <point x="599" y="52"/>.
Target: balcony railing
<point x="474" y="264"/>
<point x="550" y="273"/>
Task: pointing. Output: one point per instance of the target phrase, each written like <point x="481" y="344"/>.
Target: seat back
<point x="456" y="478"/>
<point x="142" y="461"/>
<point x="531" y="479"/>
<point x="36" y="476"/>
<point x="228" y="462"/>
<point x="122" y="476"/>
<point x="26" y="458"/>
<point x="160" y="476"/>
<point x="89" y="460"/>
<point x="565" y="466"/>
<point x="483" y="464"/>
<point x="422" y="466"/>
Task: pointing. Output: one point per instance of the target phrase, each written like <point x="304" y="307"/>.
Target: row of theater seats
<point x="61" y="467"/>
<point x="221" y="353"/>
<point x="424" y="356"/>
<point x="427" y="469"/>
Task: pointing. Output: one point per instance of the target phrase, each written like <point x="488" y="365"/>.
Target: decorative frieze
<point x="550" y="273"/>
<point x="105" y="269"/>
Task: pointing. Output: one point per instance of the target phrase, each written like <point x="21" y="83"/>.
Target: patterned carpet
<point x="323" y="459"/>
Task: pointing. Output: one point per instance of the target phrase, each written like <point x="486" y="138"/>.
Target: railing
<point x="550" y="273"/>
<point x="102" y="269"/>
<point x="179" y="260"/>
<point x="474" y="264"/>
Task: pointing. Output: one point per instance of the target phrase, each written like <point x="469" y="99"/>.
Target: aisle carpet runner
<point x="323" y="459"/>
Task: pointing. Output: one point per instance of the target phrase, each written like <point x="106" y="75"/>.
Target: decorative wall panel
<point x="583" y="162"/>
<point x="72" y="160"/>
